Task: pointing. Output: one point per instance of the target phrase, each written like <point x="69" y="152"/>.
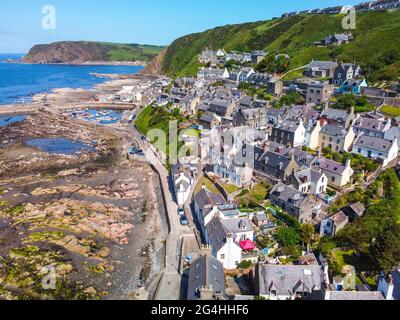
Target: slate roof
<point x="238" y="225"/>
<point x="396" y="281"/>
<point x="290" y="126"/>
<point x="334" y="131"/>
<point x="334" y="114"/>
<point x="373" y="143"/>
<point x="218" y="233"/>
<point x="246" y="101"/>
<point x="357" y="208"/>
<point x="330" y="166"/>
<point x="249" y="113"/>
<point x="187" y="99"/>
<point x="275" y="112"/>
<point x="206" y="271"/>
<point x="288" y="194"/>
<point x="207" y="118"/>
<point x="290" y="279"/>
<point x="205" y="198"/>
<point x="322" y="64"/>
<point x="339" y="218"/>
<point x="301" y="157"/>
<point x="370" y="124"/>
<point x="356" y="295"/>
<point x="308" y="175"/>
<point x="272" y="164"/>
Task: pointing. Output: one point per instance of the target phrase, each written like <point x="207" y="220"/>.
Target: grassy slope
<point x="112" y="51"/>
<point x="129" y="52"/>
<point x="376" y="32"/>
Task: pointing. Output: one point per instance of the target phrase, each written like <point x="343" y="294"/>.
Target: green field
<point x="391" y="111"/>
<point x="375" y="46"/>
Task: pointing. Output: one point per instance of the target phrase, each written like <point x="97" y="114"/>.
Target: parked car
<point x="184" y="220"/>
<point x="181" y="212"/>
<point x="136" y="151"/>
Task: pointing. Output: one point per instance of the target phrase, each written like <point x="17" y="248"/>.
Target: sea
<point x="19" y="82"/>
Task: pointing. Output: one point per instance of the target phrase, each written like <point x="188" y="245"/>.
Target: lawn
<point x="391" y="111"/>
<point x="229" y="188"/>
<point x="253" y="198"/>
<point x="348" y="257"/>
<point x="208" y="184"/>
<point x="361" y="264"/>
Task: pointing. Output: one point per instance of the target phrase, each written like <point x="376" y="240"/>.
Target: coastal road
<point x="170" y="284"/>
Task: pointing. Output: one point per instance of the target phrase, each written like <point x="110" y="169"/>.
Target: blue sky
<point x="133" y="21"/>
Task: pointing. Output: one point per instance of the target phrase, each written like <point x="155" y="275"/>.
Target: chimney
<point x="206" y="293"/>
<point x="206" y="250"/>
<point x="390" y="289"/>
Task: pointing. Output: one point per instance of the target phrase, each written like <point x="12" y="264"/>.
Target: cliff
<point x="83" y="52"/>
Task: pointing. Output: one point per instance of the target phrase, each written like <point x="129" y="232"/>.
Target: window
<point x="359" y="150"/>
<point x="222" y="257"/>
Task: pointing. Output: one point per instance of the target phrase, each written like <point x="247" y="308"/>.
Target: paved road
<point x="170" y="284"/>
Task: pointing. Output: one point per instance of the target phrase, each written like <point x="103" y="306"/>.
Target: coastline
<point x="60" y="99"/>
<point x="88" y="63"/>
<point x="102" y="75"/>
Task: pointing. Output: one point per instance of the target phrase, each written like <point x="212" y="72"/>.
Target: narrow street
<point x="170" y="284"/>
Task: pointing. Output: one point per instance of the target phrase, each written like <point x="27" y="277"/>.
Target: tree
<point x="306" y="234"/>
<point x="385" y="249"/>
<point x="288" y="236"/>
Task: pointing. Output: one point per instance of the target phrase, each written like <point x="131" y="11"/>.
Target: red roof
<point x="247" y="245"/>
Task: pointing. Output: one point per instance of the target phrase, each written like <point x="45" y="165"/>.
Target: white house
<point x="239" y="176"/>
<point x="292" y="133"/>
<point x="392" y="134"/>
<point x="310" y="181"/>
<point x="379" y="149"/>
<point x="390" y="286"/>
<point x="222" y="212"/>
<point x="130" y="93"/>
<point x="205" y="205"/>
<point x="183" y="184"/>
<point x="224" y="237"/>
<point x="339" y="175"/>
<point x="333" y="224"/>
<point x="312" y="135"/>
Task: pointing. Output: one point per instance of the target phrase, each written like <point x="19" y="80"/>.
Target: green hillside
<point x="83" y="51"/>
<point x="130" y="52"/>
<point x="376" y="44"/>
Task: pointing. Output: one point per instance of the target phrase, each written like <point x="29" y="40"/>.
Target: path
<point x="170" y="284"/>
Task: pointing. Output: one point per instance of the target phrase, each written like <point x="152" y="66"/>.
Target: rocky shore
<point x="95" y="217"/>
